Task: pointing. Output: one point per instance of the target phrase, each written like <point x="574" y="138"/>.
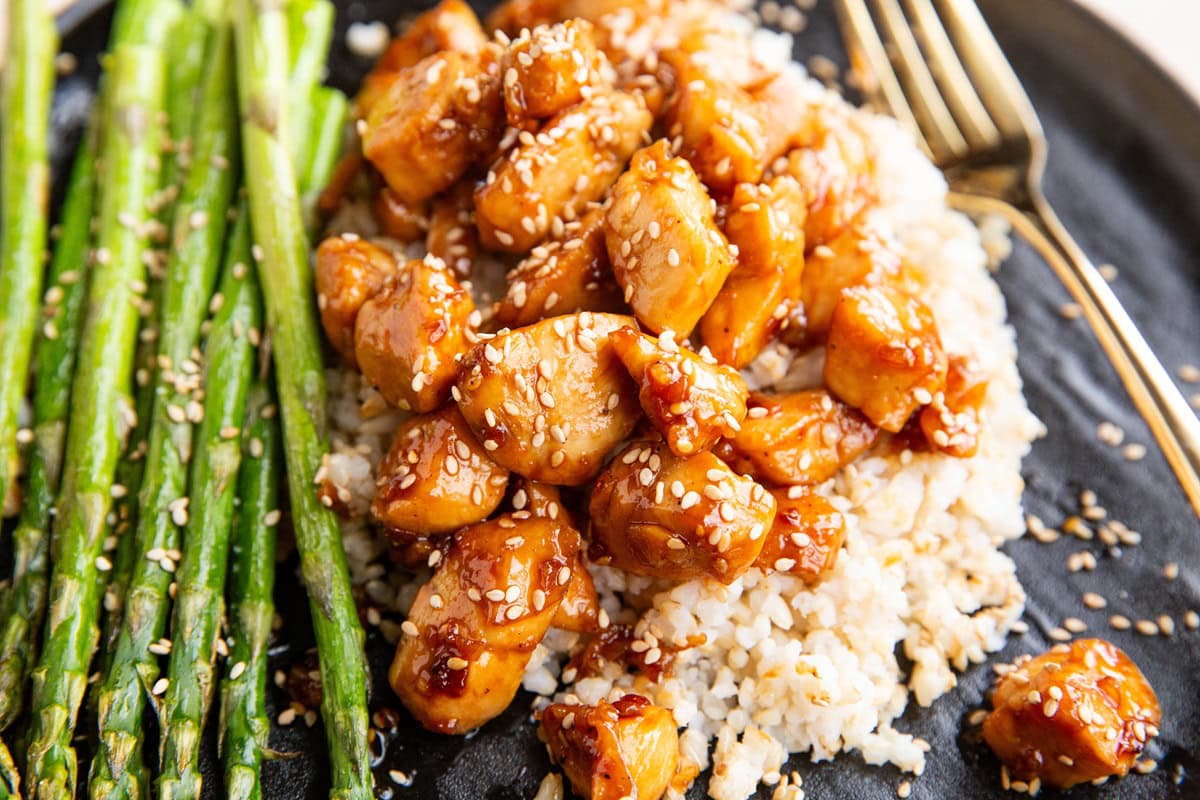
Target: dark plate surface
<point x="1125" y="176"/>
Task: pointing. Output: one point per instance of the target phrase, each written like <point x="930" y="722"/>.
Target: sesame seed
<point x="160" y="687"/>
<point x="1094" y="601"/>
<point x="287" y="716"/>
<point x="409" y="628"/>
<point x="1192" y="620"/>
<point x="1119" y="622"/>
<point x="1146" y="627"/>
<point x="1134" y="452"/>
<point x="237" y="670"/>
<point x="1171" y="570"/>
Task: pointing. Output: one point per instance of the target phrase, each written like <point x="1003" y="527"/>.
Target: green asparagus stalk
<point x="329" y="110"/>
<point x="282" y="257"/>
<point x="28" y="82"/>
<point x="197" y="236"/>
<point x="199" y="606"/>
<point x="310" y="29"/>
<point x="99" y="412"/>
<point x="244" y="724"/>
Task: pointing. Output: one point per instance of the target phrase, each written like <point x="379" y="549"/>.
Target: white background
<point x="1169" y="30"/>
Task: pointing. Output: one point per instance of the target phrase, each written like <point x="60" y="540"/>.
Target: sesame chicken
<point x="511" y="16"/>
<point x="806" y="537"/>
<point x="654" y="513"/>
<point x="404" y="222"/>
<point x="580" y="608"/>
<point x="436" y="477"/>
<point x="558" y="170"/>
<point x="764" y="222"/>
<point x="550" y="400"/>
<point x="801" y="438"/>
<point x="409" y="336"/>
<point x="859" y="256"/>
<point x="668" y="254"/>
<point x="1081" y="712"/>
<point x="452" y="236"/>
<point x="609" y="751"/>
<point x="691" y="400"/>
<point x="349" y="272"/>
<point x="474" y="625"/>
<point x="952" y="422"/>
<point x="549" y="69"/>
<point x="884" y="355"/>
<point x="434" y="121"/>
<point x="562" y="276"/>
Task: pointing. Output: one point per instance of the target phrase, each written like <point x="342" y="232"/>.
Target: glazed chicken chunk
<point x="654" y="513"/>
<point x="859" y="256"/>
<point x="609" y="751"/>
<point x="557" y="171"/>
<point x="435" y="120"/>
<point x="884" y="356"/>
<point x="452" y="236"/>
<point x="765" y="223"/>
<point x="550" y="400"/>
<point x="404" y="222"/>
<point x="1081" y="712"/>
<point x="797" y="439"/>
<point x="436" y="477"/>
<point x="691" y="400"/>
<point x="562" y="276"/>
<point x="349" y="272"/>
<point x="952" y="422"/>
<point x="549" y="69"/>
<point x="409" y="336"/>
<point x="667" y="252"/>
<point x="806" y="537"/>
<point x="473" y="626"/>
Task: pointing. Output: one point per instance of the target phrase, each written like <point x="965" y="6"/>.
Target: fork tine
<point x="973" y="120"/>
<point x="991" y="74"/>
<point x="945" y="140"/>
<point x="869" y="61"/>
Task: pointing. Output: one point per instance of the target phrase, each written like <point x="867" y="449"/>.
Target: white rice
<point x="787" y="668"/>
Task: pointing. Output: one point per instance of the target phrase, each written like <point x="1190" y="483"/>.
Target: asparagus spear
<point x="198" y="233"/>
<point x="329" y="109"/>
<point x="244" y="724"/>
<point x="99" y="413"/>
<point x="28" y="81"/>
<point x="310" y="29"/>
<point x="282" y="257"/>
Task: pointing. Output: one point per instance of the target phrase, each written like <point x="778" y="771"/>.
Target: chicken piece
<point x="347" y="170"/>
<point x="473" y="626"/>
<point x="450" y="25"/>
<point x="452" y="236"/>
<point x="398" y="220"/>
<point x="1081" y="712"/>
<point x="562" y="276"/>
<point x="626" y="30"/>
<point x="609" y="751"/>
<point x="549" y="69"/>
<point x="765" y="223"/>
<point x="550" y="400"/>
<point x="692" y="400"/>
<point x="570" y="162"/>
<point x="836" y="169"/>
<point x="349" y="272"/>
<point x="951" y="423"/>
<point x="409" y="336"/>
<point x="722" y="131"/>
<point x="789" y="120"/>
<point x="539" y="499"/>
<point x="859" y="256"/>
<point x="655" y="513"/>
<point x="434" y="121"/>
<point x="884" y="356"/>
<point x="436" y="477"/>
<point x="806" y="537"/>
<point x="580" y="608"/>
<point x="667" y="253"/>
<point x="514" y="15"/>
<point x="801" y="438"/>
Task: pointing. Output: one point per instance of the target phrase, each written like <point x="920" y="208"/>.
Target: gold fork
<point x="943" y="76"/>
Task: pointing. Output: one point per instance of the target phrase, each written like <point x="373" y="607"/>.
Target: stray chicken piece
<point x="550" y="400"/>
<point x="473" y="626"/>
<point x="557" y="171"/>
<point x="806" y="537"/>
<point x="452" y="235"/>
<point x="654" y="513"/>
<point x="409" y="336"/>
<point x="765" y="223"/>
<point x="514" y="15"/>
<point x="549" y="69"/>
<point x="436" y="477"/>
<point x="398" y="220"/>
<point x="609" y="751"/>
<point x="436" y="119"/>
<point x="884" y="356"/>
<point x="691" y="400"/>
<point x="799" y="438"/>
<point x="859" y="256"/>
<point x="349" y="272"/>
<point x="952" y="422"/>
<point x="562" y="276"/>
<point x="1081" y="712"/>
<point x="668" y="254"/>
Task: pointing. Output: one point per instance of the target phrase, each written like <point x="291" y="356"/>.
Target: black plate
<point x="1125" y="176"/>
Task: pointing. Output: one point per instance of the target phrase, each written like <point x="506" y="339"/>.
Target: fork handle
<point x="1174" y="425"/>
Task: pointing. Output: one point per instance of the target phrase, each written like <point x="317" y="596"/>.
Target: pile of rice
<point x="787" y="668"/>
